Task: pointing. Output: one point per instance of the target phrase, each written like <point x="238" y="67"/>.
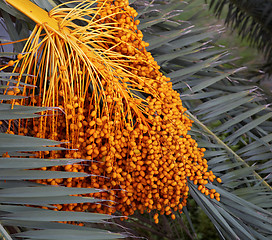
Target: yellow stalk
<point x="34" y="12"/>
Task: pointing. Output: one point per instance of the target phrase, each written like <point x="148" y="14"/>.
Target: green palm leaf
<point x="251" y="19"/>
<point x="232" y="123"/>
<point x="16" y="191"/>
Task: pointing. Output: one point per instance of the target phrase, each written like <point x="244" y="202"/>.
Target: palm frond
<point x="251" y="19"/>
<point x="231" y="121"/>
<point x="22" y="199"/>
<point x="16" y="191"/>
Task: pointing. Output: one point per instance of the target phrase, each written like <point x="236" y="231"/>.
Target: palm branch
<point x="251" y="19"/>
<point x="242" y="114"/>
<point x="20" y="195"/>
<point x="231" y="118"/>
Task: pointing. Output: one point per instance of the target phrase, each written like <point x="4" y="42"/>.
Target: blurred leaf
<point x="8" y="97"/>
<point x="10" y="140"/>
<point x="50" y="215"/>
<point x="46" y="191"/>
<point x="27" y="163"/>
<point x="68" y="235"/>
<point x="45" y="201"/>
<point x="18" y="112"/>
<point x="14" y="174"/>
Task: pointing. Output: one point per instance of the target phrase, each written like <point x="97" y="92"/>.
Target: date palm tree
<point x="232" y="120"/>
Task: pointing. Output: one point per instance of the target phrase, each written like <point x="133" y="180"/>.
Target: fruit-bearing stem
<point x="34" y="12"/>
